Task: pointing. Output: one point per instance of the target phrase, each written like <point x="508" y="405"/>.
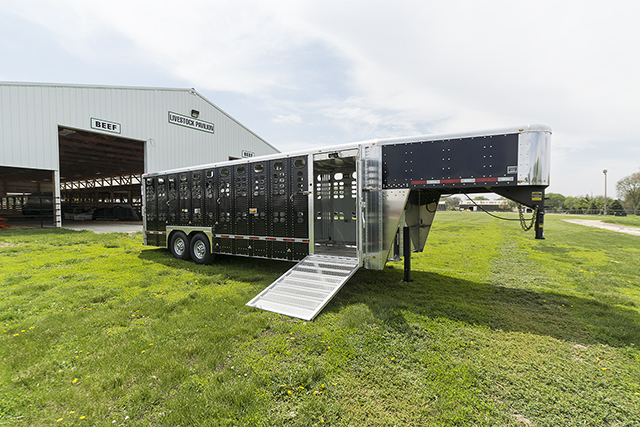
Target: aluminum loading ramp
<point x="308" y="287"/>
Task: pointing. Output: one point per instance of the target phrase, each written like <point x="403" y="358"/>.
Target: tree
<point x="509" y="206"/>
<point x="570" y="203"/>
<point x="451" y="202"/>
<point x="583" y="202"/>
<point x="555" y="201"/>
<point x="614" y="206"/>
<point x="629" y="190"/>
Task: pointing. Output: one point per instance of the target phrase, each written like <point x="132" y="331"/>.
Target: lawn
<point x="497" y="328"/>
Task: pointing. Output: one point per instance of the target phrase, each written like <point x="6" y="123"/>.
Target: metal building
<point x="85" y="146"/>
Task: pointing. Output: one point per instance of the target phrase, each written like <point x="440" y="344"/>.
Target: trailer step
<point x="308" y="287"/>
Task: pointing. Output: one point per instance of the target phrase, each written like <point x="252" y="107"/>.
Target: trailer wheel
<point x="180" y="246"/>
<point x="201" y="249"/>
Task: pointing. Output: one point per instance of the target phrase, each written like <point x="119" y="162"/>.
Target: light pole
<point x="605" y="191"/>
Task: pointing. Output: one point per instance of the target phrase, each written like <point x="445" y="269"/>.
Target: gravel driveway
<point x="599" y="224"/>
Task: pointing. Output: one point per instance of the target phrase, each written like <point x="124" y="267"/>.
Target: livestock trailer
<point x="336" y="209"/>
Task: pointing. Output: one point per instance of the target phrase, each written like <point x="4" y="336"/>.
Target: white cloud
<point x="289" y="118"/>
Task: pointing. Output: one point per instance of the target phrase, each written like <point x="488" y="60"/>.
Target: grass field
<point x="497" y="328"/>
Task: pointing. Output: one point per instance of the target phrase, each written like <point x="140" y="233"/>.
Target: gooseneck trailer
<point x="337" y="209"/>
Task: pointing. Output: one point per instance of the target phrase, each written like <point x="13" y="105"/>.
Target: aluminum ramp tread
<point x="307" y="288"/>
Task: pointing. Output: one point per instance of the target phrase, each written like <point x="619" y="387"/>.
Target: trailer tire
<point x="179" y="246"/>
<point x="201" y="249"/>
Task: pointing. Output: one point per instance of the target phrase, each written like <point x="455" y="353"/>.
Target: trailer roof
<point x="386" y="141"/>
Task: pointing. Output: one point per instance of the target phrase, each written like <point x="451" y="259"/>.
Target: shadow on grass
<point x="565" y="317"/>
<point x="262" y="271"/>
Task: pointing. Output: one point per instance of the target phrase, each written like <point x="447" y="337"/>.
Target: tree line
<point x="628" y="192"/>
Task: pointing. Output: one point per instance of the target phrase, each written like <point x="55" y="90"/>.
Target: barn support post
<point x="57" y="204"/>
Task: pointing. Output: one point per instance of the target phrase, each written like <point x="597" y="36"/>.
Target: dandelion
<point x="59" y="419"/>
<point x="142" y="351"/>
<point x="72" y="412"/>
<point x="75" y="380"/>
<point x="32" y="327"/>
<point x="289" y="392"/>
<point x="82" y="417"/>
<point x="23" y="331"/>
<point x="393" y="358"/>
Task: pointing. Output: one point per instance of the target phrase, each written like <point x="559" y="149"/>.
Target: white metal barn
<point x="88" y="145"/>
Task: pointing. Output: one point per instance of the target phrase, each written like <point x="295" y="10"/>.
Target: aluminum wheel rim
<point x="199" y="249"/>
<point x="179" y="246"/>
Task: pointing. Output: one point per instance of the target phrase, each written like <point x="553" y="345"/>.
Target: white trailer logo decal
<point x="190" y="122"/>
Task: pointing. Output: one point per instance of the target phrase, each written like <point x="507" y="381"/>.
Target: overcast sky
<point x="305" y="74"/>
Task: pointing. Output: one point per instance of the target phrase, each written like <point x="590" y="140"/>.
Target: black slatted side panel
<point x="210" y="198"/>
<point x="161" y="195"/>
<point x="226" y="216"/>
<point x="197" y="198"/>
<point x="259" y="187"/>
<point x="151" y="210"/>
<point x="184" y="199"/>
<point x="151" y="204"/>
<point x="163" y="216"/>
<point x="241" y="207"/>
<point x="300" y="204"/>
<point x="279" y="206"/>
<point x="173" y="207"/>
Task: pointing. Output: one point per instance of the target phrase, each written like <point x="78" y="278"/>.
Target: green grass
<point x="496" y="328"/>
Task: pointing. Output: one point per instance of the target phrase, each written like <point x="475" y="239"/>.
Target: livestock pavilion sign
<point x="190" y="122"/>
